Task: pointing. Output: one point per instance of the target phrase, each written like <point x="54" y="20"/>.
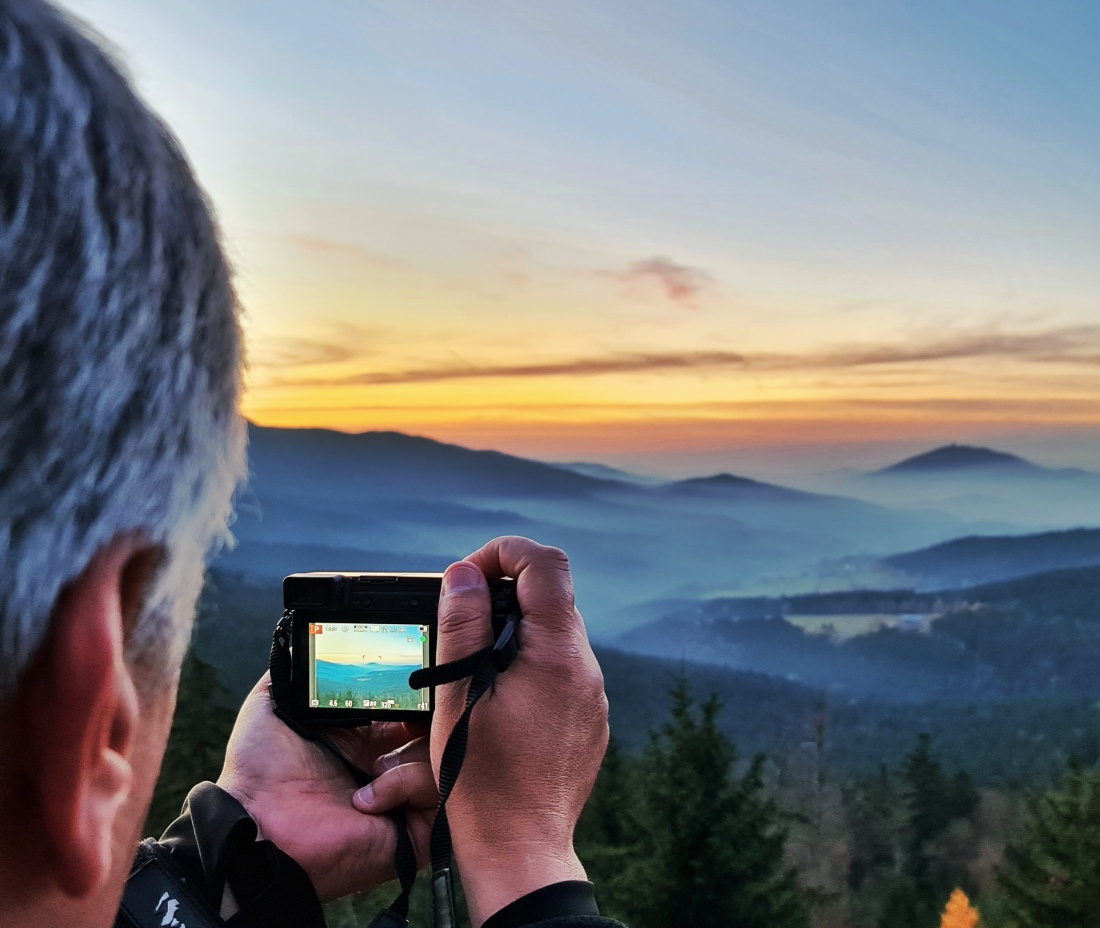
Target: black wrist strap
<point x="482" y="667"/>
<point x="159" y="893"/>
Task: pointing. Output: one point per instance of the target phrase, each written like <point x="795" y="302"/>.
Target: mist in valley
<point x="890" y="595"/>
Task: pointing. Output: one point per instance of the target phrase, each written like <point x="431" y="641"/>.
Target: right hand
<point x="536" y="739"/>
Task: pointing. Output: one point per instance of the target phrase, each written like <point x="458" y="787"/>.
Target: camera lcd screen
<point x="357" y="665"/>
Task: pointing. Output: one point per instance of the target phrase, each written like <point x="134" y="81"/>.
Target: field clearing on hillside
<point x="843" y="627"/>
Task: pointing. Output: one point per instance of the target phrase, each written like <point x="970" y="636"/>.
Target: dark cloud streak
<point x="1071" y="345"/>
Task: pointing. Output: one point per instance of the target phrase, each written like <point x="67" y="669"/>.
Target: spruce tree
<point x="705" y="846"/>
<point x="932" y="801"/>
<point x="1051" y="877"/>
<point x="604" y="822"/>
<point x="196" y="745"/>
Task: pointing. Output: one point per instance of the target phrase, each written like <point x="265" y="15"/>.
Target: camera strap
<point x="482" y="668"/>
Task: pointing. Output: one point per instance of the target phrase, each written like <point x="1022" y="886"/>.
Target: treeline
<point x="1011" y="744"/>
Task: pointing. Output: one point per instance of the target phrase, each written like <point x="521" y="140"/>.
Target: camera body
<point x="356" y="638"/>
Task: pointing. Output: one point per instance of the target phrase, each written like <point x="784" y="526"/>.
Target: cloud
<point x="1069" y="345"/>
<point x="344" y="343"/>
<point x="679" y="282"/>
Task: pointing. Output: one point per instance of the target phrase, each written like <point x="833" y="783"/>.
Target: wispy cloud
<point x="680" y="283"/>
<point x="341" y="343"/>
<point x="1068" y="345"/>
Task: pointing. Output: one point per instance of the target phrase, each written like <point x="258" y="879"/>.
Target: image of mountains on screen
<point x="354" y="666"/>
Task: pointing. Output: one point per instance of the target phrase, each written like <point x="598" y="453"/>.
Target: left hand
<point x="301" y="798"/>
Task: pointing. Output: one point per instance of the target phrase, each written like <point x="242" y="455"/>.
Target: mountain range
<point x="905" y="600"/>
<point x="320" y="499"/>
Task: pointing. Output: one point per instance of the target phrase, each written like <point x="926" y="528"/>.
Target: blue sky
<point x="899" y="201"/>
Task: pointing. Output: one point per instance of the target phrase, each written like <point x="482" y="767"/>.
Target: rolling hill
<point x="1033" y="636"/>
<point x="997" y="492"/>
<point x="960" y="458"/>
<point x="383" y="500"/>
<point x="984" y="559"/>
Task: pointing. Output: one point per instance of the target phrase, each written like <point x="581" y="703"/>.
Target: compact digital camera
<point x="357" y="637"/>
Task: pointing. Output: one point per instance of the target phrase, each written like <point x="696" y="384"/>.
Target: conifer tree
<point x="706" y="849"/>
<point x="1051" y="877"/>
<point x="604" y="822"/>
<point x="932" y="801"/>
<point x="196" y="745"/>
<point x="959" y="912"/>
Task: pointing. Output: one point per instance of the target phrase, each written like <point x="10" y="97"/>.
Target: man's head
<point x="120" y="446"/>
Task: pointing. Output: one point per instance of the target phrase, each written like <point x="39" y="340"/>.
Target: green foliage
<point x="698" y="845"/>
<point x="1051" y="877"/>
<point x="926" y="876"/>
<point x="196" y="745"/>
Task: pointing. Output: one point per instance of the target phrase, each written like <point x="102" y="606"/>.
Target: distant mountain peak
<point x="720" y="480"/>
<point x="731" y="486"/>
<point x="960" y="457"/>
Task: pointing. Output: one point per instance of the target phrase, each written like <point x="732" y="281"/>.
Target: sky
<point x="354" y="644"/>
<point x="772" y="236"/>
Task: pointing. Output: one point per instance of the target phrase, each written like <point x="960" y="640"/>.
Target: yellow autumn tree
<point x="960" y="913"/>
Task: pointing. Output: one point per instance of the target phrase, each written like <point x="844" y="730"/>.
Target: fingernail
<point x="366" y="795"/>
<point x="461" y="578"/>
<point x="389" y="761"/>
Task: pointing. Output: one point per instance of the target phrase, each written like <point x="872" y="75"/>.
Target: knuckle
<point x="458" y="610"/>
<point x="554" y="557"/>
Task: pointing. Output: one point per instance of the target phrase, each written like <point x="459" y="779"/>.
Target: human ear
<point x="82" y="711"/>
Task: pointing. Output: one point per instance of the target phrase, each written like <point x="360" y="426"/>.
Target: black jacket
<point x="179" y="880"/>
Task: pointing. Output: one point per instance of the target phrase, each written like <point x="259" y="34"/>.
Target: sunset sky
<point x="769" y="236"/>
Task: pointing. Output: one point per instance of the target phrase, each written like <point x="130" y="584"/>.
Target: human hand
<point x="301" y="798"/>
<point x="536" y="739"/>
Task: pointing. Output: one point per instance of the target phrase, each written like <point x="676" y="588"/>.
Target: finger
<point x="410" y="785"/>
<point x="544" y="583"/>
<point x="465" y="625"/>
<point x="363" y="746"/>
<point x="417" y="729"/>
<point x="410" y="753"/>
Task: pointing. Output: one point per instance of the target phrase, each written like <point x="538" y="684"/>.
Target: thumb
<point x="465" y="613"/>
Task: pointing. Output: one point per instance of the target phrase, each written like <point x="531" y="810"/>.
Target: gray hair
<point x="120" y="355"/>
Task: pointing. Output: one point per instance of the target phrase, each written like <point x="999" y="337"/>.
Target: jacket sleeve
<point x="211" y="845"/>
<point x="570" y="904"/>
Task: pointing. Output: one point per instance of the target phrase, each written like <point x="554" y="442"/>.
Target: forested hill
<point x="983" y="559"/>
<point x="1003" y="738"/>
<point x="1034" y="637"/>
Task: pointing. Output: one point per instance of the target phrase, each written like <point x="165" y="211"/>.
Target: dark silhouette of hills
<point x="731" y="486"/>
<point x="398" y="466"/>
<point x="385" y="500"/>
<point x="388" y="464"/>
<point x="962" y="458"/>
<point x="985" y="559"/>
